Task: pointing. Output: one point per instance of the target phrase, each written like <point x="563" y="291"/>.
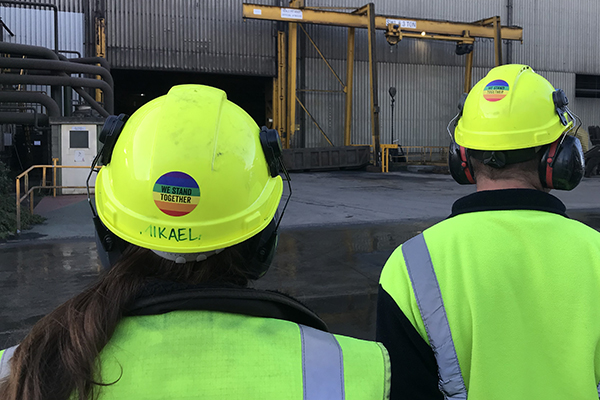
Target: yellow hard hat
<point x="188" y="174"/>
<point x="511" y="108"/>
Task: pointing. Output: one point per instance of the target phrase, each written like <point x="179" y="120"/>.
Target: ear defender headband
<point x="561" y="166"/>
<point x="110" y="133"/>
<point x="263" y="245"/>
<point x="268" y="238"/>
<point x="110" y="246"/>
<point x="459" y="161"/>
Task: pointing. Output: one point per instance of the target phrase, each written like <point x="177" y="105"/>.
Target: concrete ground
<point x="337" y="232"/>
<point x="325" y="199"/>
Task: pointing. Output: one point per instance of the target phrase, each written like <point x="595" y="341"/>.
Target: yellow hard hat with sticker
<point x="188" y="174"/>
<point x="511" y="108"/>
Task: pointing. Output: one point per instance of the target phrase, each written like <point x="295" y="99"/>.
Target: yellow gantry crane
<point x="396" y="28"/>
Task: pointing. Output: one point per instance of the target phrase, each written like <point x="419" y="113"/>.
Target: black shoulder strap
<point x="257" y="303"/>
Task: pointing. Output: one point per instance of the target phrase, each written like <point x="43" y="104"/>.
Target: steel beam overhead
<point x="410" y="27"/>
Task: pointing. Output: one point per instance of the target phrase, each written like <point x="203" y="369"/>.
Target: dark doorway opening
<point x="134" y="88"/>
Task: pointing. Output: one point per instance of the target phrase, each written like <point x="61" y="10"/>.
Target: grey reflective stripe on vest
<point x="429" y="299"/>
<point x="322" y="365"/>
<point x="599" y="390"/>
<point x="6" y="356"/>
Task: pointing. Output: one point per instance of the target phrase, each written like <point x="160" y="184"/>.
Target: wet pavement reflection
<point x="333" y="270"/>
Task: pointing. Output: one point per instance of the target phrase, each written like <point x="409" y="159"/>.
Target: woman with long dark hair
<point x="185" y="216"/>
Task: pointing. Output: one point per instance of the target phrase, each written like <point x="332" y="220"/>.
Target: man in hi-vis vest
<point x="502" y="299"/>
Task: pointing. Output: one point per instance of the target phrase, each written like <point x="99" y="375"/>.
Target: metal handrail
<point x="425" y="153"/>
<point x="29" y="190"/>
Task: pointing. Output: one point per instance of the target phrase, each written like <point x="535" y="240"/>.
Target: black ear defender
<point x="562" y="164"/>
<point x="264" y="245"/>
<point x="459" y="164"/>
<point x="459" y="161"/>
<point x="109" y="246"/>
<point x="271" y="145"/>
<point x="110" y="133"/>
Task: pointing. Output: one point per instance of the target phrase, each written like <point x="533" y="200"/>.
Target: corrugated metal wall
<point x="559" y="35"/>
<point x="66" y="5"/>
<point x="184" y="35"/>
<point x="34" y="26"/>
<point x="210" y="36"/>
<point x="429" y="76"/>
<point x="426" y="99"/>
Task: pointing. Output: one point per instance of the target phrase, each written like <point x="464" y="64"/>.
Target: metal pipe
<point x="281" y="86"/>
<point x="373" y="80"/>
<point x="18" y="192"/>
<point x="69" y="52"/>
<point x="23" y="108"/>
<point x="291" y="91"/>
<point x="13" y="79"/>
<point x="31" y="97"/>
<point x="469" y="71"/>
<point x="23" y="118"/>
<point x="25" y="49"/>
<point x="88" y="60"/>
<point x="349" y="87"/>
<point x="54" y="162"/>
<point x="93" y="103"/>
<point x="497" y="40"/>
<point x="53" y="65"/>
<point x="21" y="49"/>
<point x="509" y="21"/>
<point x="47" y="5"/>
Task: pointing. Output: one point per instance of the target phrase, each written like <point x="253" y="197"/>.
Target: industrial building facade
<point x="153" y="44"/>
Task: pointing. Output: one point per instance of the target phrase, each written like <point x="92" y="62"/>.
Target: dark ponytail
<point x="58" y="359"/>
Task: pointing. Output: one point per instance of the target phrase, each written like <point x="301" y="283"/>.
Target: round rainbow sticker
<point x="495" y="90"/>
<point x="176" y="194"/>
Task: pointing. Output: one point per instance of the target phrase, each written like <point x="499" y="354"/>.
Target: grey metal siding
<point x="426" y="100"/>
<point x="183" y="35"/>
<point x="558" y="35"/>
<point x="34" y="26"/>
<point x="560" y="40"/>
<point x="64" y="5"/>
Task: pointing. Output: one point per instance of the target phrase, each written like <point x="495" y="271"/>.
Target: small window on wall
<point x="79" y="139"/>
<point x="587" y="86"/>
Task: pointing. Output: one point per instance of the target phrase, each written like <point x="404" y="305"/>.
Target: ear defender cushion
<point x="263" y="247"/>
<point x="562" y="165"/>
<point x="460" y="165"/>
<point x="110" y="247"/>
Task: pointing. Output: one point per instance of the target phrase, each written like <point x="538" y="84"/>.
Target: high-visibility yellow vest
<point x="216" y="355"/>
<point x="509" y="300"/>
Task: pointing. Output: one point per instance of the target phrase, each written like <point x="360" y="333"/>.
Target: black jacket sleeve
<point x="414" y="369"/>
